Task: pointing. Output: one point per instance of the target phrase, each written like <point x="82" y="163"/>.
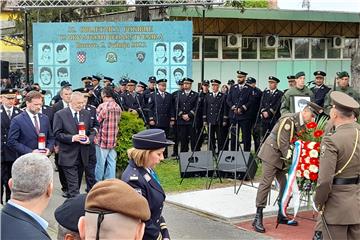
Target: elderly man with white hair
<point x="31" y="188"/>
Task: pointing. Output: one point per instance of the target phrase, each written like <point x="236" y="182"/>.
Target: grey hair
<point x="62" y="231"/>
<point x="75" y="95"/>
<point x="31" y="175"/>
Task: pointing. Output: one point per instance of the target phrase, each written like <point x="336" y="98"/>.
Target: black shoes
<point x="317" y="235"/>
<point x="258" y="221"/>
<point x="284" y="220"/>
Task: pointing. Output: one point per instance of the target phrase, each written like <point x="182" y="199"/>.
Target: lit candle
<point x="41" y="141"/>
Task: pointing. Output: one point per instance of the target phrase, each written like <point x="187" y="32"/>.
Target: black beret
<point x="215" y="81"/>
<point x="161" y="80"/>
<point x="151" y="139"/>
<point x="187" y="80"/>
<point x="231" y="81"/>
<point x="205" y="82"/>
<point x="68" y="213"/>
<point x="108" y="79"/>
<point x="132" y="81"/>
<point x="299" y="74"/>
<point x="250" y="80"/>
<point x="272" y="78"/>
<point x="152" y="79"/>
<point x="96" y="78"/>
<point x="321" y="73"/>
<point x="241" y="73"/>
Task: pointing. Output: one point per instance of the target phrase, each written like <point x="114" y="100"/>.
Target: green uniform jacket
<point x="349" y="91"/>
<point x="287" y="102"/>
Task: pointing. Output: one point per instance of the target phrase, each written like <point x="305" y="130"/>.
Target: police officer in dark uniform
<point x="97" y="88"/>
<point x="239" y="101"/>
<point x="270" y="107"/>
<point x="320" y="89"/>
<point x="88" y="83"/>
<point x="204" y="91"/>
<point x="141" y="87"/>
<point x="256" y="99"/>
<point x="213" y="115"/>
<point x="150" y="89"/>
<point x="186" y="106"/>
<point x="161" y="111"/>
<point x="291" y="82"/>
<point x="132" y="101"/>
<point x="175" y="97"/>
<point x="8" y="156"/>
<point x="140" y="175"/>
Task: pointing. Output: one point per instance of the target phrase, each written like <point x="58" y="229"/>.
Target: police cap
<point x="231" y="82"/>
<point x="187" y="80"/>
<point x="250" y="80"/>
<point x="163" y="80"/>
<point x="9" y="93"/>
<point x="151" y="139"/>
<point x="152" y="79"/>
<point x="319" y="73"/>
<point x="273" y="79"/>
<point x="344" y="102"/>
<point x="291" y="78"/>
<point x="132" y="81"/>
<point x="96" y="78"/>
<point x="205" y="82"/>
<point x="241" y="73"/>
<point x="108" y="79"/>
<point x="215" y="81"/>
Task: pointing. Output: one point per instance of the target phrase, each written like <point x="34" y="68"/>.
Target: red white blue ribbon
<point x="291" y="189"/>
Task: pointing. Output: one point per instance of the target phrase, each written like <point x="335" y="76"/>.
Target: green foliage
<point x="256" y="3"/>
<point x="129" y="125"/>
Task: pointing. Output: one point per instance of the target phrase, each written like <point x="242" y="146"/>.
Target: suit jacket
<point x="7" y="154"/>
<point x="214" y="108"/>
<point x="64" y="129"/>
<point x="145" y="184"/>
<point x="270" y="103"/>
<point x="240" y="97"/>
<point x="161" y="109"/>
<point x="57" y="106"/>
<point x="16" y="224"/>
<point x="186" y="105"/>
<point x="340" y="202"/>
<point x="22" y="134"/>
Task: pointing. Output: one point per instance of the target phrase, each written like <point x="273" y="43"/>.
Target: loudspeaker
<point x="4" y="69"/>
<point x="201" y="163"/>
<point x="233" y="161"/>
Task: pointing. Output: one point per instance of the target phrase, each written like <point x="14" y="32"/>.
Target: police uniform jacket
<point x="186" y="105"/>
<point x="287" y="102"/>
<point x="7" y="154"/>
<point x="349" y="91"/>
<point x="276" y="147"/>
<point x="134" y="101"/>
<point x="94" y="100"/>
<point x="340" y="203"/>
<point x="161" y="109"/>
<point x="240" y="97"/>
<point x="320" y="93"/>
<point x="271" y="103"/>
<point x="147" y="93"/>
<point x="200" y="110"/>
<point x="256" y="99"/>
<point x="145" y="184"/>
<point x="97" y="92"/>
<point x="214" y="108"/>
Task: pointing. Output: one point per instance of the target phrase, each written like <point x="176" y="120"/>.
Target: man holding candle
<point x="72" y="128"/>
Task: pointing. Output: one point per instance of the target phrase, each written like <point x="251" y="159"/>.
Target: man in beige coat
<point x="338" y="191"/>
<point x="273" y="153"/>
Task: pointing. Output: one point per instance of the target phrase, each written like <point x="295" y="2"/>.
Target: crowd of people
<point x="81" y="126"/>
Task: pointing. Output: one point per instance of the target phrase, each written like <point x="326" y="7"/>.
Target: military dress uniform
<point x="187" y="104"/>
<point x="320" y="93"/>
<point x="134" y="101"/>
<point x="338" y="190"/>
<point x="213" y="116"/>
<point x="8" y="156"/>
<point x="239" y="101"/>
<point x="199" y="117"/>
<point x="350" y="91"/>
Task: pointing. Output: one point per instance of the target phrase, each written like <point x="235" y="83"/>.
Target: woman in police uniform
<point x="149" y="146"/>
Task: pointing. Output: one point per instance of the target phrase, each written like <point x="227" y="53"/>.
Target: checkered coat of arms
<point x="81" y="56"/>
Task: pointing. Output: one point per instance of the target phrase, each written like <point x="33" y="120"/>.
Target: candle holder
<point x="42" y="142"/>
<point x="82" y="131"/>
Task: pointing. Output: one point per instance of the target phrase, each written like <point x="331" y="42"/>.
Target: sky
<point x="324" y="5"/>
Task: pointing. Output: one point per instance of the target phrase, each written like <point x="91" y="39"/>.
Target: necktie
<point x="8" y="113"/>
<point x="37" y="127"/>
<point x="76" y="118"/>
<point x="162" y="95"/>
<point x="154" y="175"/>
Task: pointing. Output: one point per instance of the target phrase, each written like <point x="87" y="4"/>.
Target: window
<point x="285" y="48"/>
<point x="317" y="48"/>
<point x="196" y="48"/>
<point x="301" y="48"/>
<point x="211" y="48"/>
<point x="228" y="52"/>
<point x="350" y="47"/>
<point x="266" y="53"/>
<point x="249" y="48"/>
<point x="332" y="52"/>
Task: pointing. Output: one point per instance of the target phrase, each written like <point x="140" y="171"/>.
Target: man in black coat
<point x="204" y="91"/>
<point x="32" y="186"/>
<point x="132" y="101"/>
<point x="320" y="89"/>
<point x="74" y="145"/>
<point x="240" y="102"/>
<point x="8" y="156"/>
<point x="186" y="107"/>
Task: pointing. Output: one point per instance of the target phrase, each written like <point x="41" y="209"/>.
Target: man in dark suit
<point x="32" y="186"/>
<point x="74" y="145"/>
<point x="65" y="94"/>
<point x="8" y="156"/>
<point x="26" y="127"/>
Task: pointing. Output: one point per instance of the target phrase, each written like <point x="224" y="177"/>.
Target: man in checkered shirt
<point x="108" y="115"/>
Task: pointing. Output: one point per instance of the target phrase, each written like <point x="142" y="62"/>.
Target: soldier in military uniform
<point x="93" y="99"/>
<point x="141" y="87"/>
<point x="175" y="97"/>
<point x="97" y="89"/>
<point x="213" y="115"/>
<point x="150" y="89"/>
<point x="86" y="80"/>
<point x="239" y="101"/>
<point x="204" y="91"/>
<point x="287" y="102"/>
<point x="186" y="101"/>
<point x="337" y="192"/>
<point x="343" y="86"/>
<point x="320" y="89"/>
<point x="107" y="81"/>
<point x="291" y="82"/>
<point x="270" y="107"/>
<point x="273" y="153"/>
<point x="132" y="101"/>
<point x="8" y="156"/>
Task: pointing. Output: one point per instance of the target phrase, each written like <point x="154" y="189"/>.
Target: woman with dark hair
<point x="148" y="150"/>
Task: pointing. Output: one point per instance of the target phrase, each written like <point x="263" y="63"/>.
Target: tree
<point x="355" y="67"/>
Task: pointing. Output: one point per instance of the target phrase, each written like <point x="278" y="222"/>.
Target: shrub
<point x="129" y="125"/>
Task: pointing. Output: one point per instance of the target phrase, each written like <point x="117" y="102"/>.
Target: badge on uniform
<point x="147" y="177"/>
<point x="16" y="111"/>
<point x="134" y="178"/>
<point x="287" y="127"/>
<point x="322" y="153"/>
